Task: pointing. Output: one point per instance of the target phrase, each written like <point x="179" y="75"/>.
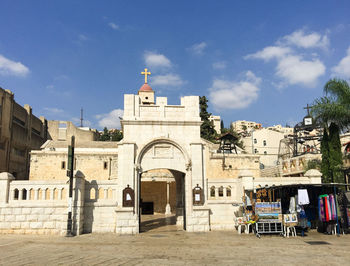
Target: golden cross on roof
<point x="145" y="73"/>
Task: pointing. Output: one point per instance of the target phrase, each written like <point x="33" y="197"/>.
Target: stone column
<point x="167" y="207"/>
<point x="5" y="180"/>
<point x="78" y="202"/>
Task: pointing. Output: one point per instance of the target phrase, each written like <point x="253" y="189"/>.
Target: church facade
<point x="161" y="160"/>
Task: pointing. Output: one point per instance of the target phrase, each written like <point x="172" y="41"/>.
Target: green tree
<point x="335" y="154"/>
<point x="326" y="173"/>
<point x="105" y="136"/>
<point x="207" y="128"/>
<point x="313" y="164"/>
<point x="333" y="111"/>
<point x="117" y="135"/>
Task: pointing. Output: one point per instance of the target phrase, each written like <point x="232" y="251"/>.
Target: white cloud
<point x="270" y="52"/>
<point x="312" y="40"/>
<point x="198" y="48"/>
<point x="294" y="70"/>
<point x="170" y="80"/>
<point x="156" y="60"/>
<point x="343" y="68"/>
<point x="53" y="110"/>
<point x="113" y="26"/>
<point x="219" y="65"/>
<point x="226" y="94"/>
<point x="110" y="120"/>
<point x="12" y="68"/>
<point x="83" y="37"/>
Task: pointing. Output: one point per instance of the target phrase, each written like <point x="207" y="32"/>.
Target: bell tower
<point x="145" y="92"/>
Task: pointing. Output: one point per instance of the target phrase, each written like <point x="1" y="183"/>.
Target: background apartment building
<point x="241" y="126"/>
<point x="20" y="132"/>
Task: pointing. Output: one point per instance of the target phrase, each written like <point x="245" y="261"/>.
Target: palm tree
<point x="333" y="111"/>
<point x="335" y="106"/>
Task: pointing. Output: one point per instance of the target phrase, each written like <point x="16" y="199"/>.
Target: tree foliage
<point x="238" y="142"/>
<point x="326" y="173"/>
<point x="333" y="111"/>
<point x="207" y="128"/>
<point x="107" y="135"/>
<point x="335" y="154"/>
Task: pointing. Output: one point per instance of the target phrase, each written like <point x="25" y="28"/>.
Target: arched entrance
<point x="162" y="168"/>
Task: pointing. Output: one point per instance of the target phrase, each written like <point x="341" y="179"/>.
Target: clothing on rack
<point x="303" y="197"/>
<point x="292" y="205"/>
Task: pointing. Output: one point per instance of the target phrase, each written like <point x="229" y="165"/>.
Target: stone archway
<point x="165" y="154"/>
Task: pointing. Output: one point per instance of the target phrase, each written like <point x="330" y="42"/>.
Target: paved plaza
<point x="168" y="245"/>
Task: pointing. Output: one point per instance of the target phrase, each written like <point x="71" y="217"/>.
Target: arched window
<point x="212" y="192"/>
<point x="264" y="142"/>
<point x="255" y="141"/>
<point x="101" y="193"/>
<point x="221" y="191"/>
<point x="24" y="194"/>
<point x="92" y="193"/>
<point x="228" y="191"/>
<point x="47" y="194"/>
<point x="15" y="194"/>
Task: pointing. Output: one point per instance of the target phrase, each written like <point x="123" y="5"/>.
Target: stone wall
<point x="52" y="165"/>
<point x="100" y="206"/>
<point x="38" y="207"/>
<point x="219" y="166"/>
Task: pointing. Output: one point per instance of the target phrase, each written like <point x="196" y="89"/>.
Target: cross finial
<point x="145" y="73"/>
<point x="308" y="107"/>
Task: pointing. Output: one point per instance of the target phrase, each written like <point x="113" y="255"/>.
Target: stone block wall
<point x="100" y="206"/>
<point x="39" y="207"/>
<point x="199" y="221"/>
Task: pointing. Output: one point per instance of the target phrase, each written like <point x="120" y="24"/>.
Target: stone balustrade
<point x="38" y="190"/>
<point x="100" y="191"/>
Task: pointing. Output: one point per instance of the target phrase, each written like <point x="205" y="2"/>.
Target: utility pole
<point x="81" y="117"/>
<point x="70" y="173"/>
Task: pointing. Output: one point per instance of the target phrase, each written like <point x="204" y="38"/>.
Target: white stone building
<point x="161" y="159"/>
<point x="264" y="142"/>
<point x="241" y="126"/>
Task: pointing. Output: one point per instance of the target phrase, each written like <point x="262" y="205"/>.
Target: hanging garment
<point x="321" y="212"/>
<point x="326" y="208"/>
<point x="292" y="205"/>
<point x="303" y="197"/>
<point x="333" y="207"/>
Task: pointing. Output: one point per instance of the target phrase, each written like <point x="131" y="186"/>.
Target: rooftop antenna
<point x="81" y="117"/>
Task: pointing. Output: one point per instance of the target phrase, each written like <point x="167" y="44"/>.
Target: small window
<point x="63" y="165"/>
<point x="221" y="191"/>
<point x="146" y="98"/>
<point x="255" y="151"/>
<point x="105" y="165"/>
<point x="264" y="142"/>
<point x="228" y="192"/>
<point x="16" y="194"/>
<point x="265" y="152"/>
<point x="212" y="192"/>
<point x="255" y="141"/>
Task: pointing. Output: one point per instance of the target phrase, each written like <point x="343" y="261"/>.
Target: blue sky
<point x="254" y="60"/>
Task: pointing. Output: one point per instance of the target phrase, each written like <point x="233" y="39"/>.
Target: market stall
<point x="292" y="208"/>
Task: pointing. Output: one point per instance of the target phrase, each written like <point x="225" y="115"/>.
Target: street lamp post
<point x="70" y="173"/>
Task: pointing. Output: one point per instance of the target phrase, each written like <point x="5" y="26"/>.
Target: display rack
<point x="267" y="227"/>
<point x="270" y="221"/>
